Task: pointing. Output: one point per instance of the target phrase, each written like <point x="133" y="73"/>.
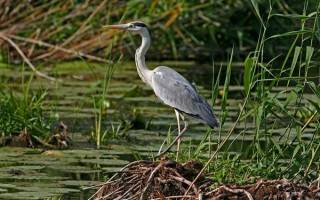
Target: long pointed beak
<point x="118" y="26"/>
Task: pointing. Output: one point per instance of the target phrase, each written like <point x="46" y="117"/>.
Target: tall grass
<point x="101" y="104"/>
<point x="192" y="29"/>
<point x="23" y="111"/>
<point x="280" y="148"/>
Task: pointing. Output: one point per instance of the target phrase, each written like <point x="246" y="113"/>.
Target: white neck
<point x="143" y="71"/>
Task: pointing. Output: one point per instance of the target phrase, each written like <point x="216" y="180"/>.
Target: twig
<point x="233" y="191"/>
<point x="183" y="180"/>
<point x="110" y="194"/>
<point x="237" y="191"/>
<point x="70" y="51"/>
<point x="127" y="192"/>
<point x="80" y="30"/>
<point x="133" y="196"/>
<point x="133" y="179"/>
<point x="98" y="185"/>
<point x="212" y="191"/>
<point x="116" y="174"/>
<point x="150" y="179"/>
<point x="309" y="120"/>
<point x="176" y="197"/>
<point x="43" y="142"/>
<point x="101" y="188"/>
<point x="37" y="33"/>
<point x="26" y="59"/>
<point x="258" y="185"/>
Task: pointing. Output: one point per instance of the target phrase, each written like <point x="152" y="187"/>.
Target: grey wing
<point x="175" y="91"/>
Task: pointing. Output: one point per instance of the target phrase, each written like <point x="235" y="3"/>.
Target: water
<point x="38" y="174"/>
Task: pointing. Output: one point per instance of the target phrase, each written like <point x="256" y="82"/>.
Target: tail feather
<point x="208" y="116"/>
<point x="213" y="122"/>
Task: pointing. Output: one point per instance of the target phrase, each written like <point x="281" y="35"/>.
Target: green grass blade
<point x="296" y="54"/>
<point x="248" y="65"/>
<point x="290" y="33"/>
<point x="257" y="12"/>
<point x="226" y="88"/>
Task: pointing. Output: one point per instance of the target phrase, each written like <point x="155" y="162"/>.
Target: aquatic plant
<point x="281" y="102"/>
<point x="23" y="112"/>
<point x="101" y="104"/>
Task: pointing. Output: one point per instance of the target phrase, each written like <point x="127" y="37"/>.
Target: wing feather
<point x="175" y="91"/>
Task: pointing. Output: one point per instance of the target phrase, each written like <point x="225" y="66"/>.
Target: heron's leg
<point x="174" y="141"/>
<point x="179" y="139"/>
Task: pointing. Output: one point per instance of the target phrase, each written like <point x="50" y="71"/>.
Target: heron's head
<point x="135" y="27"/>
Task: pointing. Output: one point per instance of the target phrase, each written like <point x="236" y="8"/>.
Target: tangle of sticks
<point x="168" y="179"/>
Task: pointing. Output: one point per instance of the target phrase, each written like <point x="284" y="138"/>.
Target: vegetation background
<point x="274" y="43"/>
<point x="182" y="30"/>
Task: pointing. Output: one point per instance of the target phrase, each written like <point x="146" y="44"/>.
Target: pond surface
<point x="63" y="174"/>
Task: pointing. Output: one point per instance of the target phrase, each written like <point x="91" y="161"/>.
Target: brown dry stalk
<point x="308" y="122"/>
<point x="36" y="36"/>
<point x="156" y="177"/>
<point x="70" y="51"/>
<point x="14" y="45"/>
<point x="127" y="192"/>
<point x="176" y="197"/>
<point x="183" y="180"/>
<point x="79" y="31"/>
<point x="115" y="175"/>
<point x="149" y="182"/>
<point x="237" y="191"/>
<point x="110" y="194"/>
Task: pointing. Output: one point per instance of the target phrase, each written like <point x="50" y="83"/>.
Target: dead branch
<point x="26" y="59"/>
<point x="144" y="192"/>
<point x="77" y="53"/>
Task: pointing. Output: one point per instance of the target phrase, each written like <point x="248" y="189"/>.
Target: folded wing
<point x="175" y="91"/>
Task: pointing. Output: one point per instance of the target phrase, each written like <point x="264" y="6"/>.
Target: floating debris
<point x="59" y="136"/>
<point x="21" y="139"/>
<point x="58" y="139"/>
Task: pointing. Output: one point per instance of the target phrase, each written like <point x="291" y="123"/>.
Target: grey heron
<point x="169" y="86"/>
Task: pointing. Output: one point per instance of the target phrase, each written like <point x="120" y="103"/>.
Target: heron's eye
<point x="131" y="26"/>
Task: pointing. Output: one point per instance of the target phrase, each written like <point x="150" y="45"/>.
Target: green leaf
<point x="257" y="12"/>
<point x="248" y="64"/>
<point x="226" y="87"/>
<point x="259" y="115"/>
<point x="314" y="88"/>
<point x="215" y="86"/>
<point x="297" y="51"/>
<point x="293" y="16"/>
<point x="295" y="151"/>
<point x="309" y="54"/>
<point x="277" y="146"/>
<point x="316" y="105"/>
<point x="291" y="33"/>
<point x="278" y="103"/>
<point x="292" y="97"/>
